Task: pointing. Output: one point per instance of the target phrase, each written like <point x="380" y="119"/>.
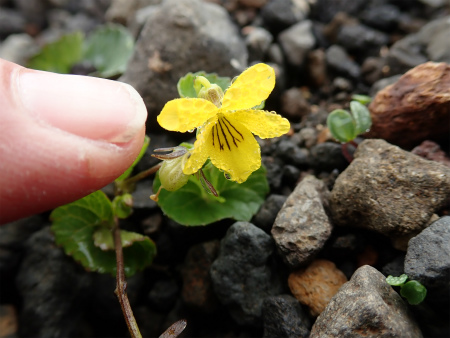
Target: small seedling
<point x="345" y="126"/>
<point x="412" y="291"/>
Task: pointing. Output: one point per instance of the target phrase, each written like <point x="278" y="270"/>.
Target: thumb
<point x="62" y="137"/>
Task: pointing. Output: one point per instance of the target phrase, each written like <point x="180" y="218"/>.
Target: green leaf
<point x="109" y="49"/>
<point x="123" y="205"/>
<point x="74" y="226"/>
<point x="192" y="205"/>
<point x="363" y="99"/>
<point x="185" y="85"/>
<point x="414" y="292"/>
<point x="396" y="281"/>
<point x="59" y="56"/>
<point x="362" y="117"/>
<point x="128" y="172"/>
<point x="103" y="238"/>
<point x="341" y="125"/>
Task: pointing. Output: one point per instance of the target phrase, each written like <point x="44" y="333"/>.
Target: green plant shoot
<point x="413" y="291"/>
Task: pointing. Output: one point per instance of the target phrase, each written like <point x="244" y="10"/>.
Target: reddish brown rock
<point x="415" y="108"/>
<point x="432" y="151"/>
<point x="316" y="285"/>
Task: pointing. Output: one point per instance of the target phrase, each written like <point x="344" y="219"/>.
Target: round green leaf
<point x="396" y="281"/>
<point x="414" y="292"/>
<point x="59" y="56"/>
<point x="186" y="88"/>
<point x="192" y="205"/>
<point x="109" y="49"/>
<point x="362" y="117"/>
<point x="74" y="226"/>
<point x="341" y="125"/>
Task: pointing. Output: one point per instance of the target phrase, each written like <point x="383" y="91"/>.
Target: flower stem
<point x="121" y="284"/>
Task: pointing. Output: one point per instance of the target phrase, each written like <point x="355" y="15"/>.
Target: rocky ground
<point x="313" y="261"/>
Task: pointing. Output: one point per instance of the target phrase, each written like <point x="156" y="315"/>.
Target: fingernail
<point x="89" y="107"/>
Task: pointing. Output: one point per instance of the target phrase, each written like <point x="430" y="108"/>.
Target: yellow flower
<point x="225" y="132"/>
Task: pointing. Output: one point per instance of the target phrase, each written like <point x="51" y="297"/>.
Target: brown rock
<point x="8" y="321"/>
<point x="432" y="151"/>
<point x="316" y="285"/>
<point x="294" y="104"/>
<point x="389" y="190"/>
<point x="415" y="108"/>
<point x="197" y="289"/>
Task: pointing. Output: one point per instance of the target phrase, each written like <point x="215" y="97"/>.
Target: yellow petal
<point x="261" y="122"/>
<point x="251" y="88"/>
<point x="200" y="153"/>
<point x="186" y="114"/>
<point x="232" y="148"/>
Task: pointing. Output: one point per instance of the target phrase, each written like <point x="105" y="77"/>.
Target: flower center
<point x="224" y="134"/>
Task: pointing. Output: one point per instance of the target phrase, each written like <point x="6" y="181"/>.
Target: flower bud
<point x="171" y="173"/>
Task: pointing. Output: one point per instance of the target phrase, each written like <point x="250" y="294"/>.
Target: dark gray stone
<point x="435" y="37"/>
<point x="366" y="306"/>
<point x="13" y="238"/>
<point x="292" y="154"/>
<point x="269" y="210"/>
<point x="383" y="83"/>
<point x="274" y="167"/>
<point x="389" y="190"/>
<point x="291" y="174"/>
<point x="11" y="21"/>
<point x="327" y="9"/>
<point x="361" y="38"/>
<point x="302" y="226"/>
<point x="327" y="156"/>
<point x="405" y="54"/>
<point x="53" y="289"/>
<point x="163" y="295"/>
<point x="280" y="14"/>
<point x="381" y="16"/>
<point x="339" y="61"/>
<point x="141" y="196"/>
<point x="283" y="316"/>
<point x="297" y="41"/>
<point x="241" y="275"/>
<point x="182" y="36"/>
<point x="395" y="267"/>
<point x="428" y="256"/>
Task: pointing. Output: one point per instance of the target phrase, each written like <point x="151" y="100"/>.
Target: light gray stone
<point x="297" y="41"/>
<point x="366" y="306"/>
<point x="302" y="225"/>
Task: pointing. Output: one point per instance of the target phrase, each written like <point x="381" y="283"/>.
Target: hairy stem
<point x="121" y="285"/>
